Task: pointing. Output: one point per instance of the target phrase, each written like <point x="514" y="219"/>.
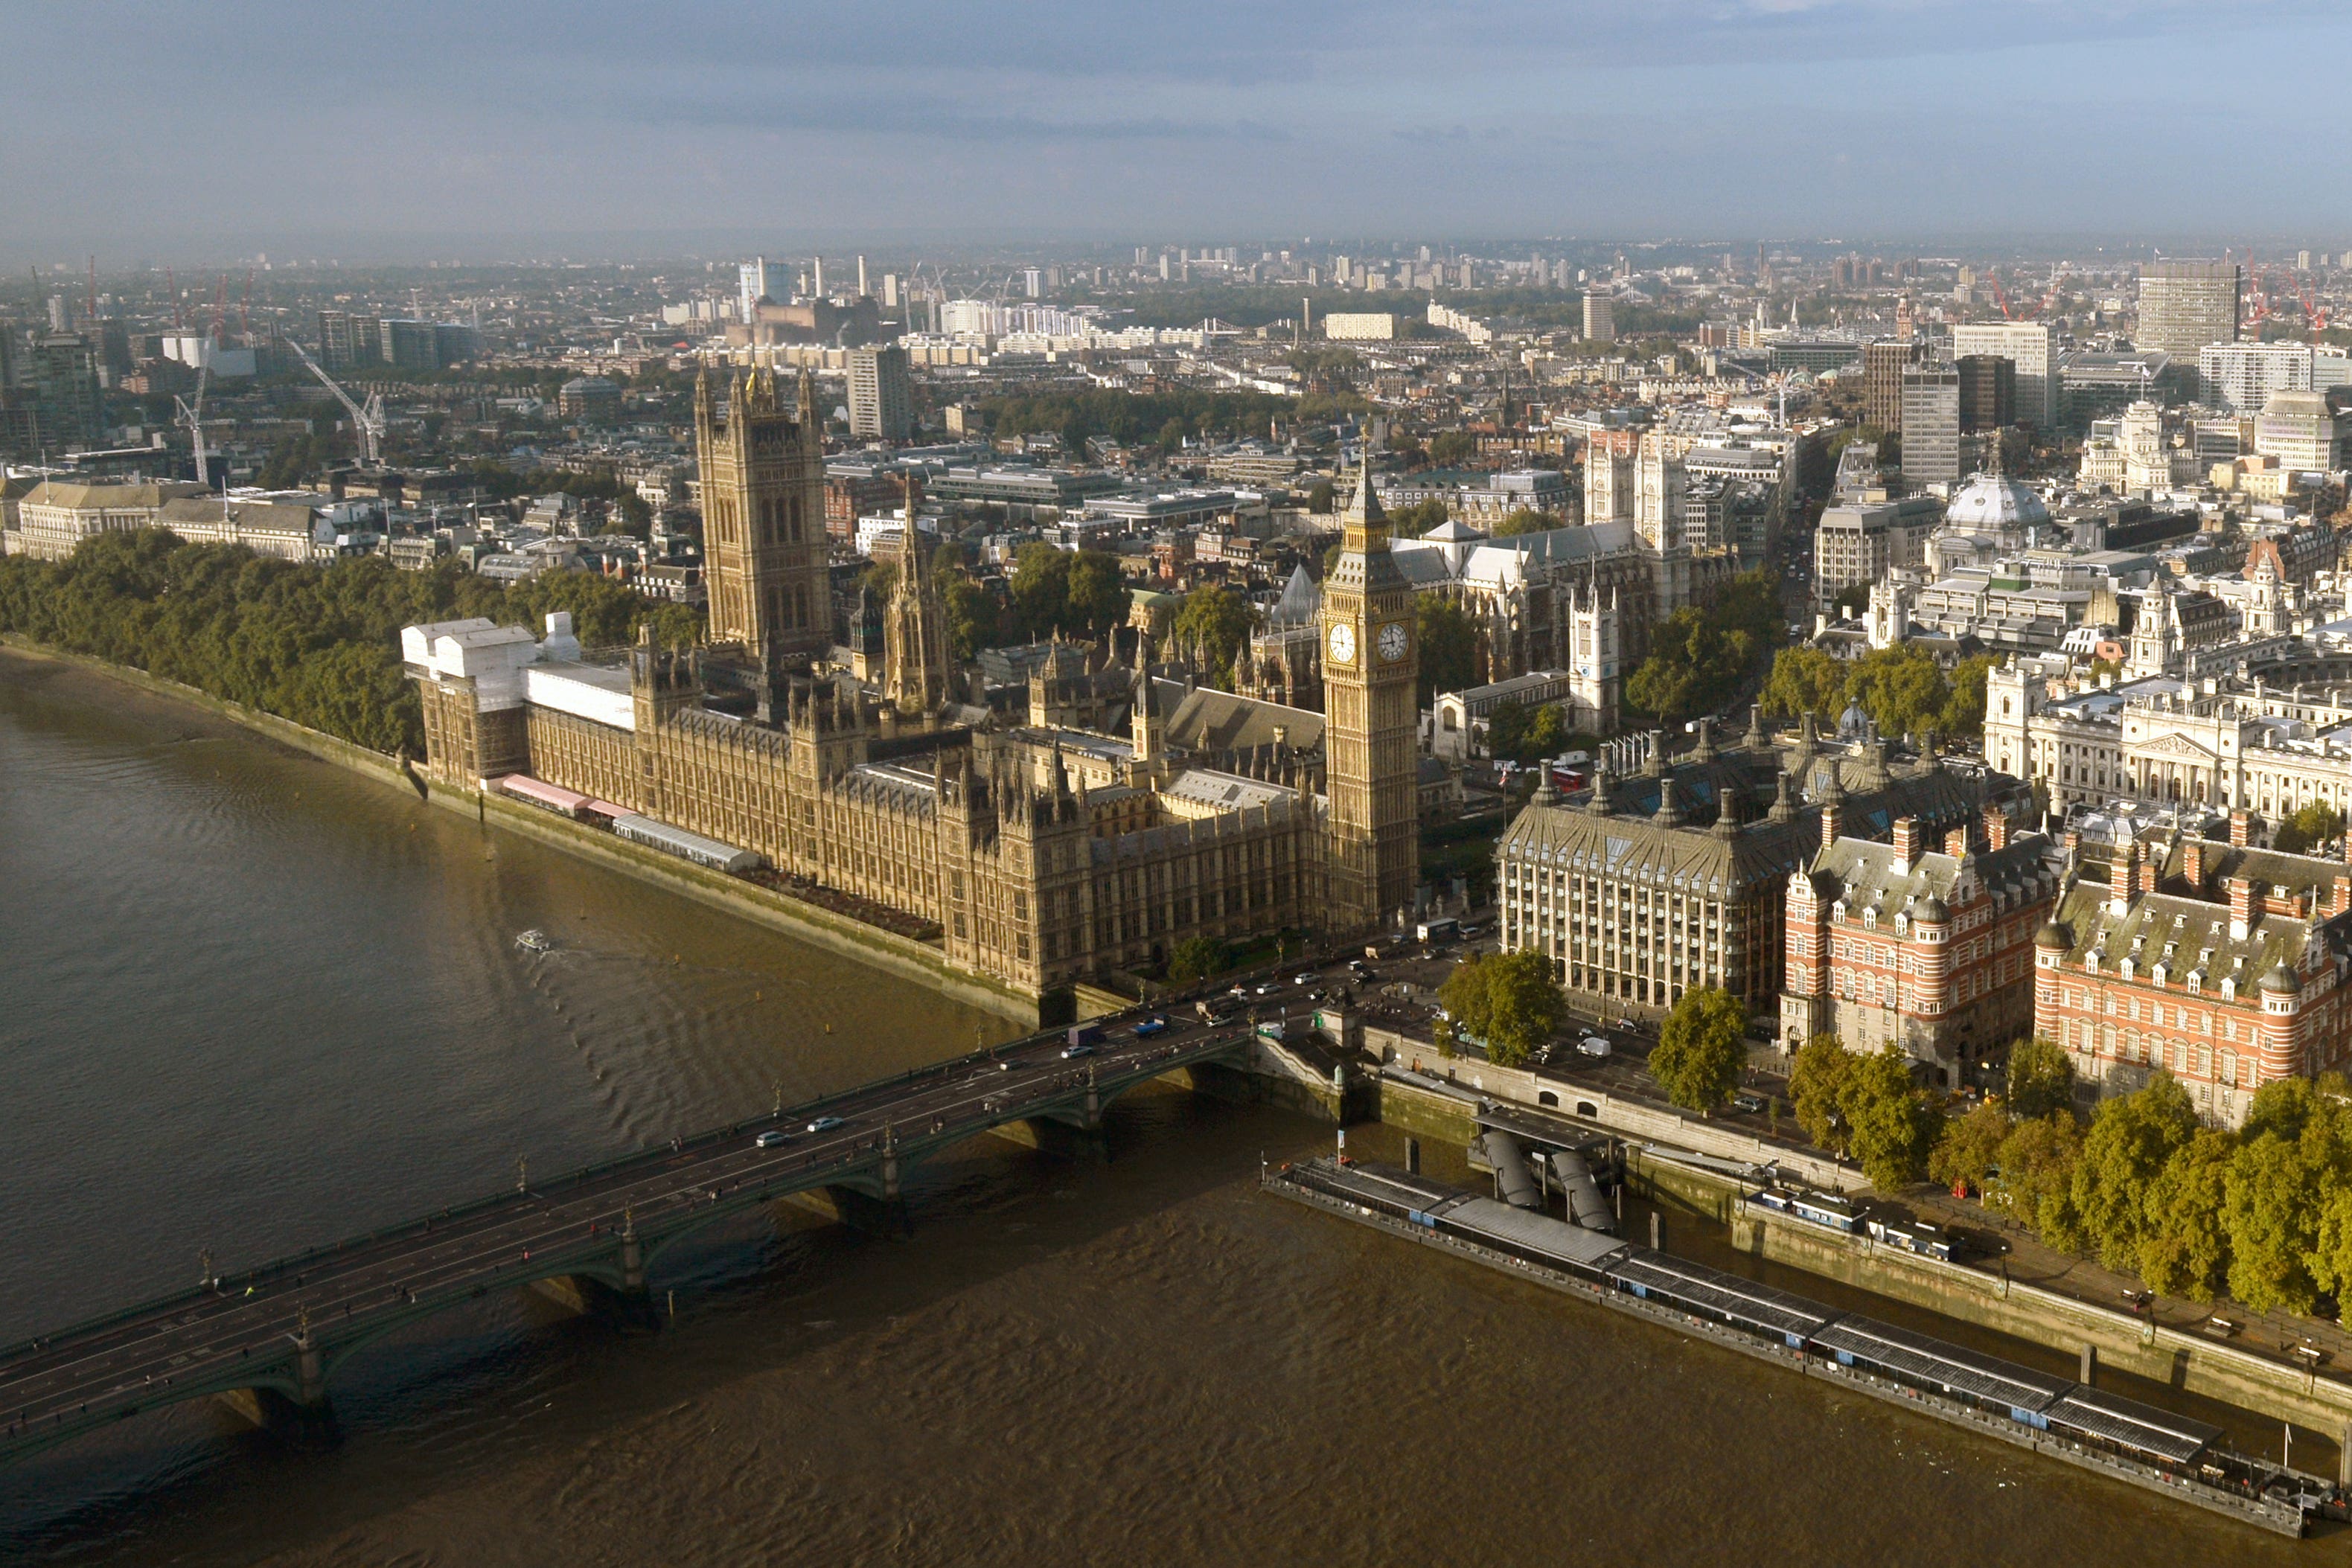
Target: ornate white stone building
<point x="2205" y="742"/>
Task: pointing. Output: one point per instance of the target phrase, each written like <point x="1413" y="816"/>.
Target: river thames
<point x="249" y="1003"/>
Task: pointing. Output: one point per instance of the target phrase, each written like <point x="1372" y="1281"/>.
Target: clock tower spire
<point x="1371" y="681"/>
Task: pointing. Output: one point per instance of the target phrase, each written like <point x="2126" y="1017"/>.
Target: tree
<point x="1901" y="688"/>
<point x="1526" y="520"/>
<point x="316" y="642"/>
<point x="1041" y="589"/>
<point x="1894" y="1126"/>
<point x="1805" y="680"/>
<point x="2309" y="828"/>
<point x="2034" y="1177"/>
<point x="1195" y="958"/>
<point x="1319" y="496"/>
<point x="1699" y="657"/>
<point x="1700" y="1050"/>
<point x="1214" y="622"/>
<point x="1453" y="448"/>
<point x="1467" y="998"/>
<point x="1817" y="1084"/>
<point x="1964" y="710"/>
<point x="1072" y="594"/>
<point x="1412" y="521"/>
<point x="973" y="615"/>
<point x="1511" y="1000"/>
<point x="2130" y="1140"/>
<point x="1965" y="1155"/>
<point x="1098" y="595"/>
<point x="1526" y="1006"/>
<point x="2269" y="1209"/>
<point x="1449" y="646"/>
<point x="2184" y="1247"/>
<point x="2041" y="1078"/>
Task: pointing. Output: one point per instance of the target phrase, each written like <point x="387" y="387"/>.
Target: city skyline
<point x="497" y="131"/>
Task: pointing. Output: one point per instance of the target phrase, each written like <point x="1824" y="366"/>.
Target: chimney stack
<point x="2241" y="907"/>
<point x="2149" y="864"/>
<point x="2342" y="900"/>
<point x="2193" y="866"/>
<point x="2119" y="879"/>
<point x="1996" y="828"/>
<point x="1956" y="842"/>
<point x="2241" y="826"/>
<point x="1906" y="844"/>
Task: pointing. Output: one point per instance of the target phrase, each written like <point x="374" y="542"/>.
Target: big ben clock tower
<point x="1371" y="677"/>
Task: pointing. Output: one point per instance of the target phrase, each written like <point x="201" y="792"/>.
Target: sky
<point x="411" y="128"/>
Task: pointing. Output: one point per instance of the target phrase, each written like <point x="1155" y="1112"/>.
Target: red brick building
<point x="2223" y="963"/>
<point x="1930" y="949"/>
<point x="849" y="496"/>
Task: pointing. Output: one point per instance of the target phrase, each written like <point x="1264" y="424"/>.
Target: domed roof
<point x="1992" y="503"/>
<point x="1931" y="909"/>
<point x="2279" y="982"/>
<point x="2054" y="935"/>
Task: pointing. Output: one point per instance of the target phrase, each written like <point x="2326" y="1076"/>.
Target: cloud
<point x="1388" y="116"/>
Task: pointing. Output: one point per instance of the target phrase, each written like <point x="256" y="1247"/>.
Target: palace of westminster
<point x="1122" y="813"/>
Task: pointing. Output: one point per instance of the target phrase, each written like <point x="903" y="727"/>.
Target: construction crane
<point x="2314" y="314"/>
<point x="368" y="422"/>
<point x="192" y="417"/>
<point x="2001" y="295"/>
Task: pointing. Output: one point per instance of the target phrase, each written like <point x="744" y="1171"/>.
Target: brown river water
<point x="251" y="1003"/>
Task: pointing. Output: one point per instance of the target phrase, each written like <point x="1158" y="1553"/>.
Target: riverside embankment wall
<point x="2191" y="1362"/>
<point x="2211" y="1367"/>
<point x="881" y="949"/>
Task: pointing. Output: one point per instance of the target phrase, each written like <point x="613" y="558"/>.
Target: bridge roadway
<point x="270" y="1338"/>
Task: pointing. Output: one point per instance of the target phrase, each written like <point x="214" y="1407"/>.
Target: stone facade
<point x="1371" y="667"/>
<point x="1676" y="876"/>
<point x="2216" y="742"/>
<point x="762" y="519"/>
<point x="1035" y="883"/>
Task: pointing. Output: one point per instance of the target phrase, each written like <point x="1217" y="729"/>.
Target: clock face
<point x="1343" y="643"/>
<point x="1393" y="641"/>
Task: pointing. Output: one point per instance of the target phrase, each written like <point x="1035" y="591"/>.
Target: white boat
<point x="535" y="940"/>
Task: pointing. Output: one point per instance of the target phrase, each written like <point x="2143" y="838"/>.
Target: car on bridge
<point x="1150" y="1027"/>
<point x="770" y="1139"/>
<point x="1072" y="1052"/>
<point x="826" y="1124"/>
